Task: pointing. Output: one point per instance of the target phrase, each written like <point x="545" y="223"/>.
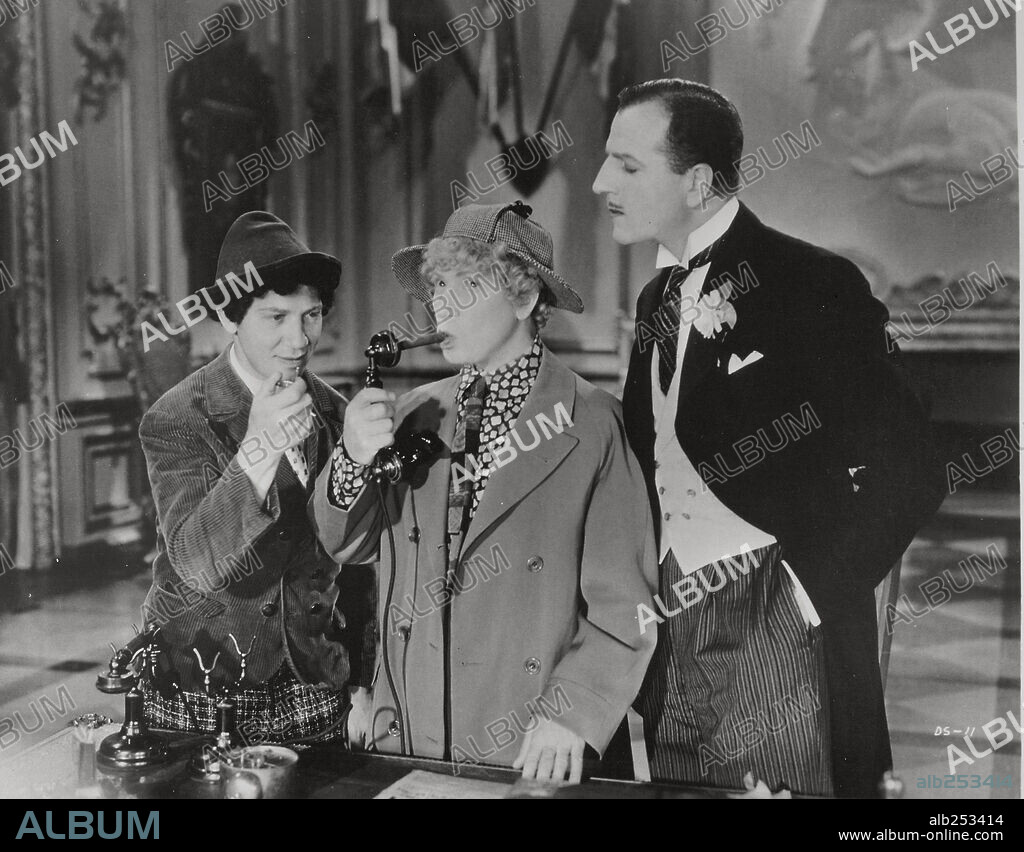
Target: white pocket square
<point x="737" y="363"/>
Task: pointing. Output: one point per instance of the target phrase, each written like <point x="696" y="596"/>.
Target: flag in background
<point x="389" y="78"/>
<point x="605" y="38"/>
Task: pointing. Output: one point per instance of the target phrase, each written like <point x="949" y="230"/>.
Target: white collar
<point x="248" y="377"/>
<point x="701" y="238"/>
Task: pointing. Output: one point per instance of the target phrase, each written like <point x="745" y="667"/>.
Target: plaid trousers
<point x="737" y="683"/>
<point x="280" y="710"/>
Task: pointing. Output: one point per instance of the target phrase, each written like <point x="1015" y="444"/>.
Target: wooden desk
<point x="51" y="770"/>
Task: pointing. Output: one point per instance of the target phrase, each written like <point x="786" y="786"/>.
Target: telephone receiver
<point x="134" y="746"/>
<point x="398" y="461"/>
<point x="121" y="675"/>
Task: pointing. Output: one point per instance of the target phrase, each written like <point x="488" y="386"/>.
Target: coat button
<point x="690" y="492"/>
<point x="394" y="728"/>
<point x="532" y="665"/>
<point x="285" y="534"/>
<point x="316" y="608"/>
<point x="268" y="609"/>
<point x="534" y="564"/>
<point x="414" y="535"/>
<point x="668" y="516"/>
<point x="403" y="633"/>
<point x="661" y="490"/>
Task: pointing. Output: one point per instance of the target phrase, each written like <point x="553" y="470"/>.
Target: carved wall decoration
<point x="151" y="373"/>
<point x="115" y="327"/>
<point x="968" y="311"/>
<point x="103" y="58"/>
<point x="103" y="313"/>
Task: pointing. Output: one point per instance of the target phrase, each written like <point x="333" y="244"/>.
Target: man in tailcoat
<point x="787" y="462"/>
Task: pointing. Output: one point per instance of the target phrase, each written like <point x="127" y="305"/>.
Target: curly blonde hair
<point x="494" y="266"/>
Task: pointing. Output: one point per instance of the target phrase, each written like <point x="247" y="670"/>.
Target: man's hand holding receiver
<point x="280" y="418"/>
<point x="369" y="424"/>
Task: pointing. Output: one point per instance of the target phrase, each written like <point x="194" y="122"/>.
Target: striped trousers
<point x="737" y="683"/>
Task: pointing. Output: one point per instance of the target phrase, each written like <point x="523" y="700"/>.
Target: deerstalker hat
<point x="524" y="239"/>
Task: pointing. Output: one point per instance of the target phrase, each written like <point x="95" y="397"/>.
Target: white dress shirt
<point x="695" y="525"/>
<point x="295" y="456"/>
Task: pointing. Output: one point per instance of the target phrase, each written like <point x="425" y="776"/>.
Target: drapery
<point x="26" y="339"/>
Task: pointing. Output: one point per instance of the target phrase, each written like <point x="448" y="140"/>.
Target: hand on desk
<point x="549" y="751"/>
<point x="359" y="717"/>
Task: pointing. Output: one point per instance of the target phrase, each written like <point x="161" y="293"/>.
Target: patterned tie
<point x="669" y="314"/>
<point x="296" y="458"/>
<point x="298" y="462"/>
<point x="465" y="445"/>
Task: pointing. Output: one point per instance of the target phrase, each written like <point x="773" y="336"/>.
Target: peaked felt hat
<point x="272" y="248"/>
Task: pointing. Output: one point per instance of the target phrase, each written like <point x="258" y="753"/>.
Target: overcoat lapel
<point x="508" y="485"/>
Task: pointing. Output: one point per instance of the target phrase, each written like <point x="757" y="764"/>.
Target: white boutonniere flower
<point x="716" y="311"/>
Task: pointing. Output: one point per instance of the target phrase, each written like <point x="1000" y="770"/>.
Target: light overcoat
<point x="557" y="557"/>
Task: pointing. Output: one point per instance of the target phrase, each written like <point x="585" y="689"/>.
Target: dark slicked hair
<point x="704" y="127"/>
<point x="236" y="309"/>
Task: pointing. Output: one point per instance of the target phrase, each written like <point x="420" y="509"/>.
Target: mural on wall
<point x="921" y="127"/>
<point x="909" y="168"/>
<point x="222" y="110"/>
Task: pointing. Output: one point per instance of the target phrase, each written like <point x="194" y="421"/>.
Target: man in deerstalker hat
<point x="242" y="590"/>
<point x="523" y="549"/>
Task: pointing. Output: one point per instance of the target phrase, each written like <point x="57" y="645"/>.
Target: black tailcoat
<point x="776" y="441"/>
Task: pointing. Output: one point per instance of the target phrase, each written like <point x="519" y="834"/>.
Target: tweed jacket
<point x="228" y="564"/>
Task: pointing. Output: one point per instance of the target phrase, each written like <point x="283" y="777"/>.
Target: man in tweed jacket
<point x="243" y="593"/>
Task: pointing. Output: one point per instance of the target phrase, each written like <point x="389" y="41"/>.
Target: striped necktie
<point x="465" y="446"/>
<point x="670" y="312"/>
